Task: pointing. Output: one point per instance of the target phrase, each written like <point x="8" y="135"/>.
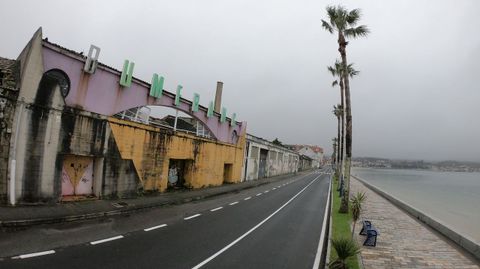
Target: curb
<point x="89" y="216"/>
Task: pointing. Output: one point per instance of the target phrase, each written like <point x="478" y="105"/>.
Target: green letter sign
<point x="127" y="72"/>
<point x="210" y="109"/>
<point x="196" y="102"/>
<point x="179" y="95"/>
<point x="223" y="116"/>
<point x="232" y="123"/>
<point x="156" y="89"/>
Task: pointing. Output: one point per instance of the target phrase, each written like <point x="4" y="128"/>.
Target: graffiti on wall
<point x="77" y="175"/>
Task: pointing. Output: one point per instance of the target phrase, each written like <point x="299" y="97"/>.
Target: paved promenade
<point x="403" y="241"/>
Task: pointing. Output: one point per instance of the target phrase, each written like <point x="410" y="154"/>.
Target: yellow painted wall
<point x="150" y="150"/>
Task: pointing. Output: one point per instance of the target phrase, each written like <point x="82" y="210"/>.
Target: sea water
<point x="453" y="198"/>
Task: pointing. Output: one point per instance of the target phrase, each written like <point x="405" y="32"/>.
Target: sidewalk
<point x="19" y="216"/>
<point x="403" y="242"/>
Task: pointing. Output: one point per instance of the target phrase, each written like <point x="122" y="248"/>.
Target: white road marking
<point x="248" y="198"/>
<point x="316" y="264"/>
<point x="266" y="191"/>
<point x="191" y="217"/>
<point x="254" y="228"/>
<point x="279" y="186"/>
<point x="258" y="194"/>
<point x="234" y="203"/>
<point x="215" y="209"/>
<point x="35" y="254"/>
<point x="154" y="227"/>
<point x="106" y="240"/>
<point x="274" y="189"/>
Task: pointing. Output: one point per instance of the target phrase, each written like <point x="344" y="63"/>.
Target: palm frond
<point x="351" y="71"/>
<point x="353" y="16"/>
<point x="332" y="70"/>
<point x="334" y="83"/>
<point x="332" y="14"/>
<point x="327" y="27"/>
<point x="354" y="32"/>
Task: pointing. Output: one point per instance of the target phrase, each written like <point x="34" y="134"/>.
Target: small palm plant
<point x="345" y="248"/>
<point x="356" y="207"/>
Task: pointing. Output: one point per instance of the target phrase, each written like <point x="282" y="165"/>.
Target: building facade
<point x="315" y="153"/>
<point x="265" y="159"/>
<point x="61" y="141"/>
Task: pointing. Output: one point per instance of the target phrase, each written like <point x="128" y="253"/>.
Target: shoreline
<point x="465" y="242"/>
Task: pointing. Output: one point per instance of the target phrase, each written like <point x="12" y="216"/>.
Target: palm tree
<point x="338" y="112"/>
<point x="356" y="207"/>
<point x="334" y="155"/>
<point x="344" y="23"/>
<point x="345" y="248"/>
<point x="337" y="71"/>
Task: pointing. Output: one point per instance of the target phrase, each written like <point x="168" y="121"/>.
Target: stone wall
<point x="8" y="95"/>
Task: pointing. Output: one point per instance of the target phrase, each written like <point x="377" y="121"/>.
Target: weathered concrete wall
<point x="280" y="160"/>
<point x="150" y="149"/>
<point x="56" y="143"/>
<point x="8" y="96"/>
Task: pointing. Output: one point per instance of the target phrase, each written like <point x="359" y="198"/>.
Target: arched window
<point x="61" y="78"/>
<point x="234" y="137"/>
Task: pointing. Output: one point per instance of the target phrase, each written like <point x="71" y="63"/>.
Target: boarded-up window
<point x="254" y="153"/>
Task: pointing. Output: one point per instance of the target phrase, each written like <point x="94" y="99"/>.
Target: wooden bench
<point x="371" y="232"/>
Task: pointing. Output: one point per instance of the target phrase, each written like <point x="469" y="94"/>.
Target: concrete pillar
<point x="218" y="97"/>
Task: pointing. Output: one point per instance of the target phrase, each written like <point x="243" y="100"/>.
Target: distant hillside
<point x="455" y="166"/>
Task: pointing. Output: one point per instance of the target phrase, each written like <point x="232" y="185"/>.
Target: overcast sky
<point x="416" y="97"/>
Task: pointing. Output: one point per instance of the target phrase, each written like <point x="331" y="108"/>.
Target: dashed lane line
<point x="258" y="194"/>
<point x="254" y="228"/>
<point x="106" y="240"/>
<point x="191" y="217"/>
<point x="35" y="254"/>
<point x="215" y="209"/>
<point x="234" y="203"/>
<point x="248" y="198"/>
<point x="155" y="227"/>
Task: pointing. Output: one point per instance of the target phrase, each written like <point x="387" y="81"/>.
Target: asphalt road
<point x="273" y="226"/>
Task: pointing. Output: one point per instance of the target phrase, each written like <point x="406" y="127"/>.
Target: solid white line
<point x="248" y="198"/>
<point x="154" y="227"/>
<point x="215" y="209"/>
<point x="252" y="229"/>
<point x="234" y="203"/>
<point x="106" y="240"/>
<point x="36" y="254"/>
<point x="258" y="194"/>
<point x="321" y="242"/>
<point x="191" y="217"/>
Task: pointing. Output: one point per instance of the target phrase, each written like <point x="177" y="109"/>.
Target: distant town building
<point x="315" y="153"/>
<point x="265" y="159"/>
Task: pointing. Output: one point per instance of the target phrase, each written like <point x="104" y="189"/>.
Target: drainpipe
<point x="13" y="164"/>
<point x="218" y="97"/>
<point x="175" y="122"/>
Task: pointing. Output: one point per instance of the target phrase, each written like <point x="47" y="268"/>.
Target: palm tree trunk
<point x="342" y="141"/>
<point x="353" y="230"/>
<point x="338" y="145"/>
<point x="348" y="117"/>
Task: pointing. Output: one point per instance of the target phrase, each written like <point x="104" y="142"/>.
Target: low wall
<point x="463" y="241"/>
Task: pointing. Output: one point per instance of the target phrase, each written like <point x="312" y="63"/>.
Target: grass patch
<point x="341" y="226"/>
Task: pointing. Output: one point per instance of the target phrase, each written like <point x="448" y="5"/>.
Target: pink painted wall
<point x="101" y="92"/>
